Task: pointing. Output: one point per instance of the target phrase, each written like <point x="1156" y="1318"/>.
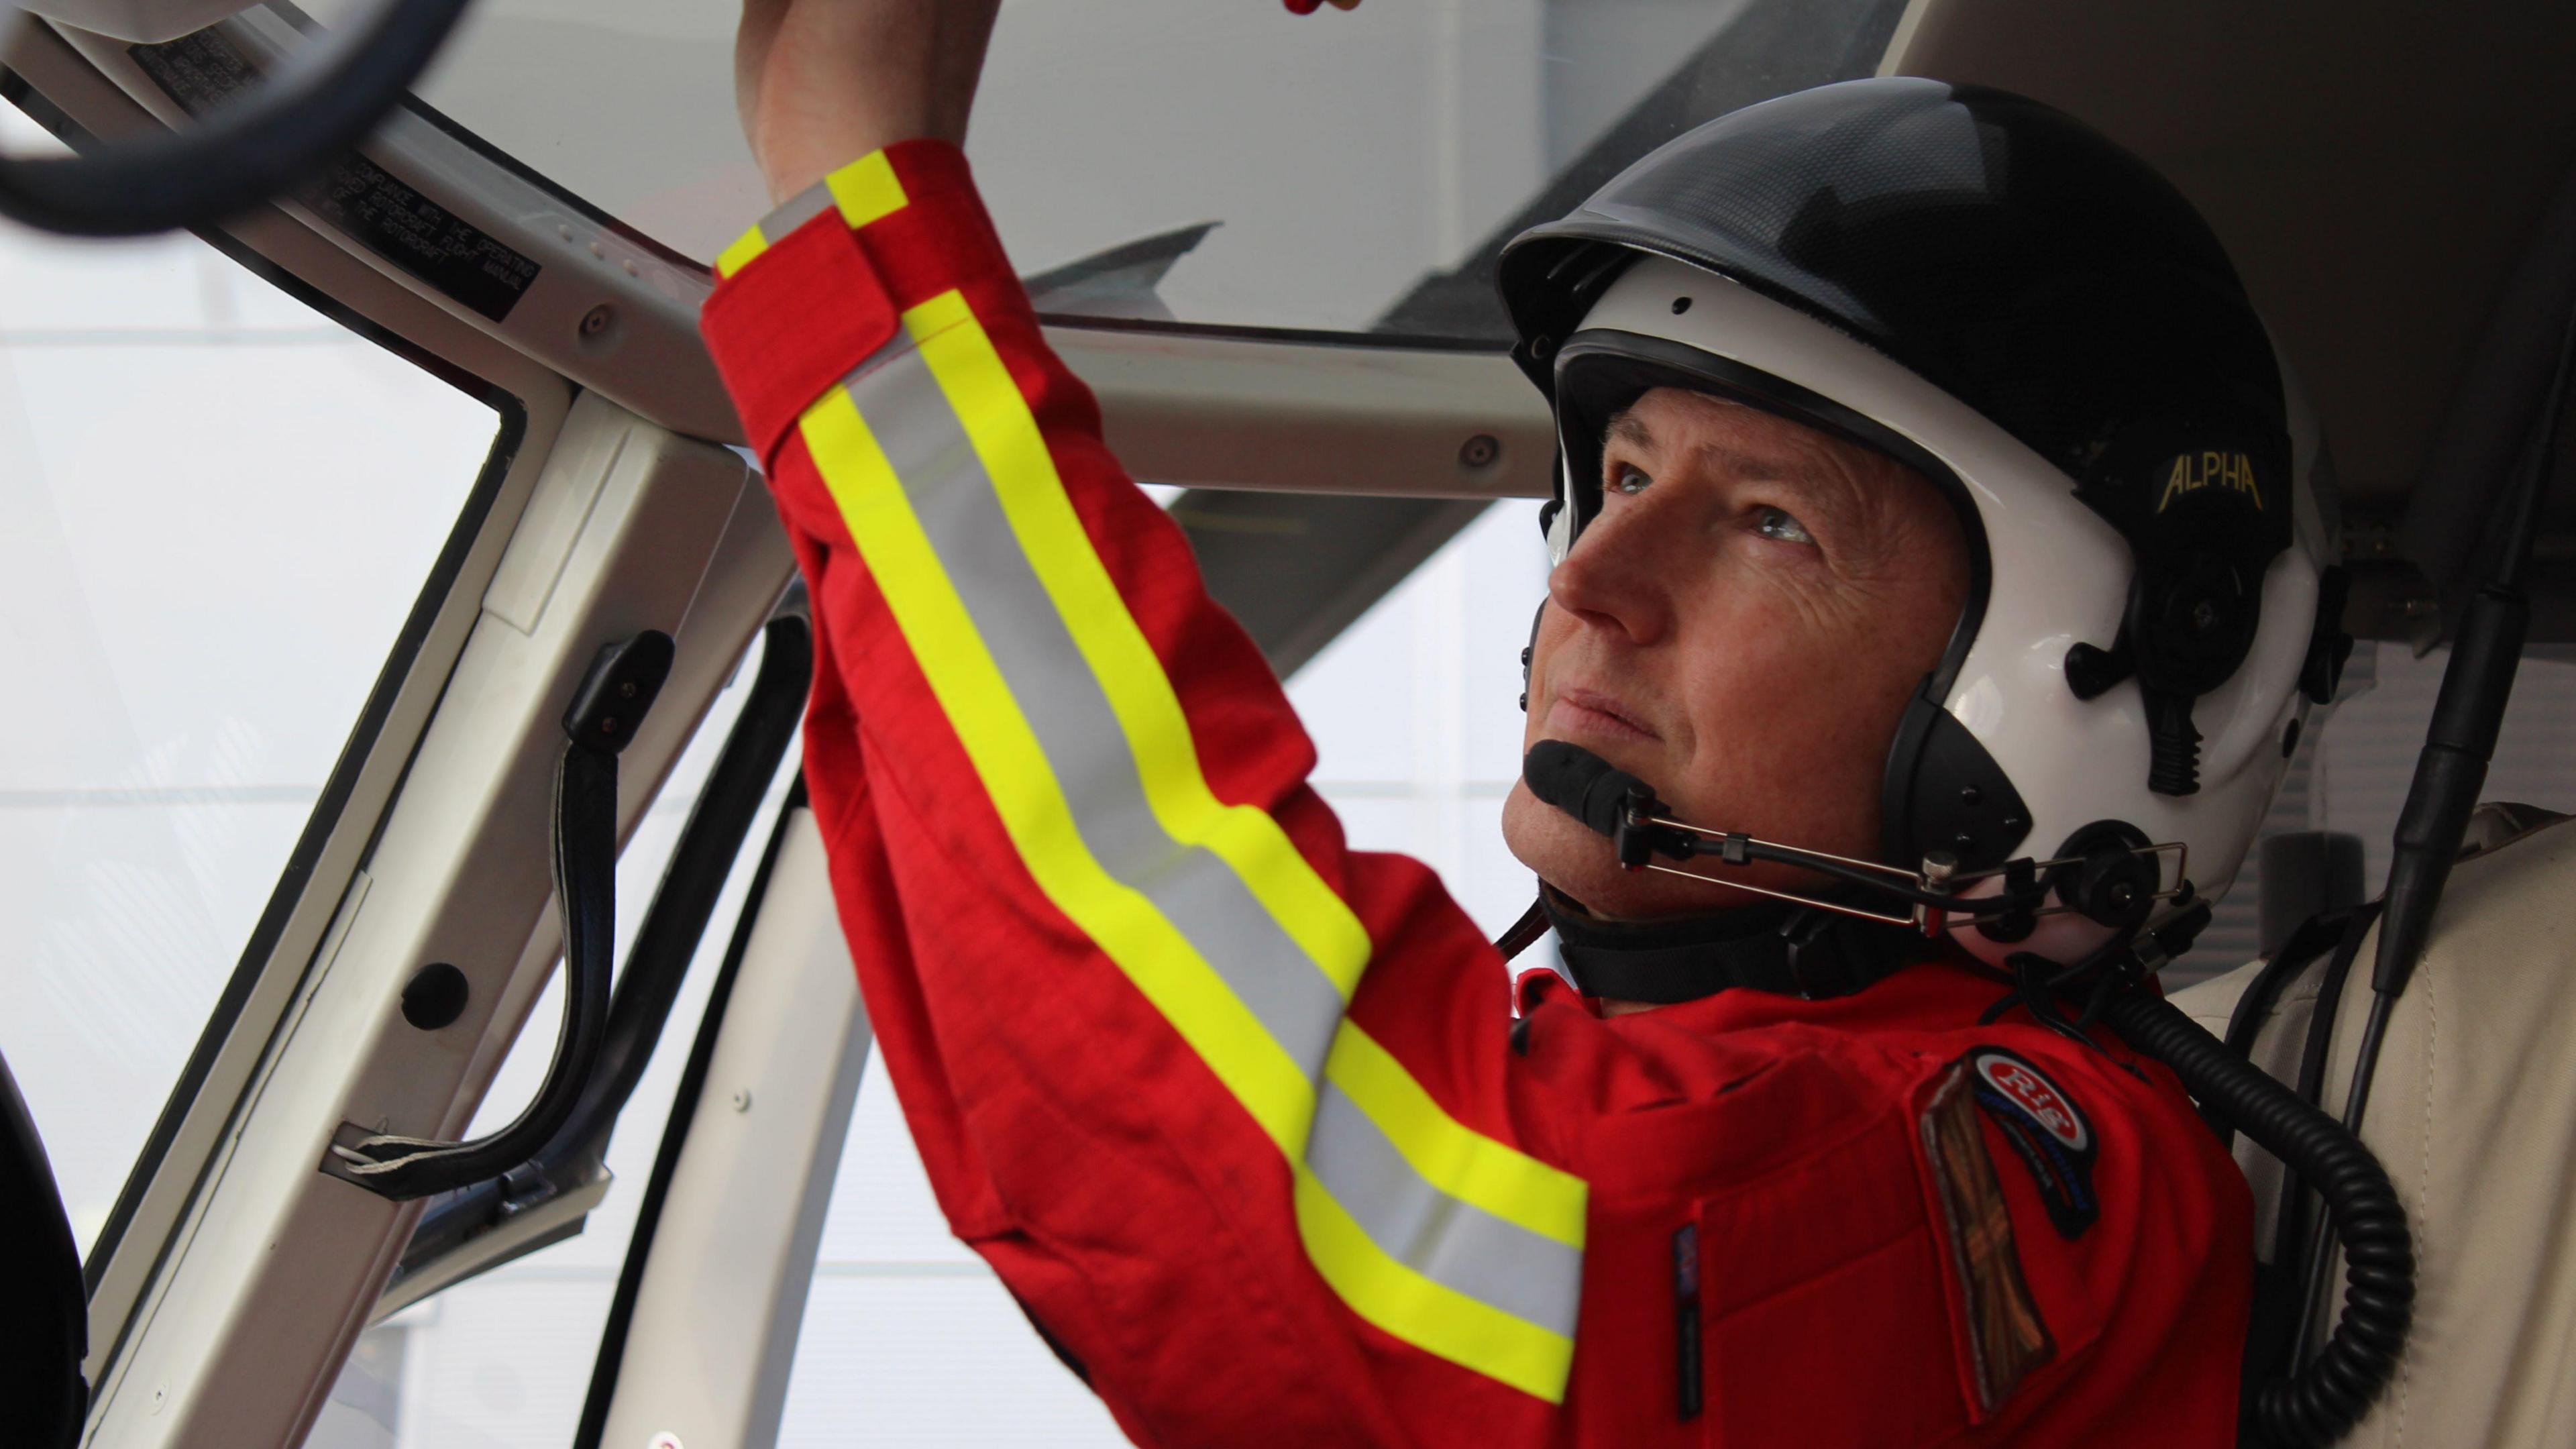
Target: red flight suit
<point x="1243" y="1116"/>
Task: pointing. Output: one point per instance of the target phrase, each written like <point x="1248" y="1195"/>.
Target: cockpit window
<point x="217" y="508"/>
<point x="1360" y="173"/>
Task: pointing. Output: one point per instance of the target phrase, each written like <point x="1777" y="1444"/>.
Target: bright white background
<point x="216" y="508"/>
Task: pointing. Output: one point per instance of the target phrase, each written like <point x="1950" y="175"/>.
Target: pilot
<point x="1931" y="499"/>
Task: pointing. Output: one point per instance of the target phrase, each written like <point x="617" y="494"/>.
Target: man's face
<point x="1740" y="627"/>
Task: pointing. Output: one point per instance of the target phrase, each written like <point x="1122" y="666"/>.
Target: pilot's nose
<point x="1620" y="573"/>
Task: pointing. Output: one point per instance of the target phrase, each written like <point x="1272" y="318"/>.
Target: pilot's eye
<point x="1629" y="478"/>
<point x="1778" y="524"/>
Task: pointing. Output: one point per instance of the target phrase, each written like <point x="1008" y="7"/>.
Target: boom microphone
<point x="1580" y="783"/>
<point x="1640" y="827"/>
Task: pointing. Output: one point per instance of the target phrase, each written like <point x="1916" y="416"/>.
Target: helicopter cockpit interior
<point x="324" y="518"/>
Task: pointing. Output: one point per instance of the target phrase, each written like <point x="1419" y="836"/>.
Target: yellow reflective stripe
<point x="866" y="190"/>
<point x="1007" y="758"/>
<point x="1128" y="926"/>
<point x="1014" y="453"/>
<point x="1467" y="1165"/>
<point x="745" y="248"/>
<point x="1428" y="1315"/>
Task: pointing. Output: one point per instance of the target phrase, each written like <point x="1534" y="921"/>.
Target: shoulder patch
<point x="2048" y="1132"/>
<point x="2004" y="1335"/>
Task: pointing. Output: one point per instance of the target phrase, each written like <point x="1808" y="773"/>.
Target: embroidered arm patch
<point x="2047" y="1131"/>
<point x="2005" y="1335"/>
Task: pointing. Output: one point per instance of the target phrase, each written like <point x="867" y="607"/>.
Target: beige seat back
<point x="2473" y="1113"/>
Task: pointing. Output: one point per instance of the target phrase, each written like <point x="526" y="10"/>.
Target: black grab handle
<point x="606" y="710"/>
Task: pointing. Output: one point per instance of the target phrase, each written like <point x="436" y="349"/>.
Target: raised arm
<point x="1162" y="1038"/>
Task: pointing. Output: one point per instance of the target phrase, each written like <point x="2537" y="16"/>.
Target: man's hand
<point x="824" y="82"/>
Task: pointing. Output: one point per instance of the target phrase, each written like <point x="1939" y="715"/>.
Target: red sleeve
<point x="1234" y="1110"/>
<point x="1113" y="943"/>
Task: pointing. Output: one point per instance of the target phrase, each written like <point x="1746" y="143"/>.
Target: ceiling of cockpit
<point x="1364" y="169"/>
<point x="1349" y="158"/>
<point x="2392" y="178"/>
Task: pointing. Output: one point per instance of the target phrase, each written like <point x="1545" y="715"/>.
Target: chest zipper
<point x="1686" y="1364"/>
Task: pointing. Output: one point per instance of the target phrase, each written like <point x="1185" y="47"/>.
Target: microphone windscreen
<point x="1578" y="782"/>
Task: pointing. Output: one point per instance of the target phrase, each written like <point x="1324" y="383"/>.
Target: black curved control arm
<point x="605" y="713"/>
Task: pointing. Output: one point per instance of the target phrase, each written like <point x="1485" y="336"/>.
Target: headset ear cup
<point x="1529" y="650"/>
<point x="1944" y="792"/>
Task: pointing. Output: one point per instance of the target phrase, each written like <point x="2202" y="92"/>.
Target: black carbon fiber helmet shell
<point x="1997" y="247"/>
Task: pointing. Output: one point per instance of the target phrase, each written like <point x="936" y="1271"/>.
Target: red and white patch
<point x="2021" y="1083"/>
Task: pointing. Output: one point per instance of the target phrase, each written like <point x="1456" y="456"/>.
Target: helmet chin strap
<point x="1773" y="946"/>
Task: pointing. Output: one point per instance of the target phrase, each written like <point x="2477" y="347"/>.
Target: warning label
<point x="359" y="198"/>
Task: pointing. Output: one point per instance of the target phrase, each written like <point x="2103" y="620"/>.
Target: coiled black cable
<point x="2320" y="1402"/>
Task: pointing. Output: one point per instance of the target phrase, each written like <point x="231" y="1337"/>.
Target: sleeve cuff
<point x="864" y="191"/>
<point x="821" y="283"/>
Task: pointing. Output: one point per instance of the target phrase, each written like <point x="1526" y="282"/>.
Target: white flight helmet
<point x="1984" y="289"/>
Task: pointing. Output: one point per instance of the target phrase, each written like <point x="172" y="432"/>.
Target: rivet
<point x="1970" y="795"/>
<point x="742" y="1099"/>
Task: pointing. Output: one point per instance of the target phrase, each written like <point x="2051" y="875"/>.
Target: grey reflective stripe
<point x="1443" y="1239"/>
<point x="1079" y="733"/>
<point x="795" y="211"/>
<point x="1451" y="1242"/>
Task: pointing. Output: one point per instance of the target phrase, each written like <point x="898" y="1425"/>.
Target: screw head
<point x="742" y="1099"/>
<point x="595" y="321"/>
<point x="1480" y="451"/>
